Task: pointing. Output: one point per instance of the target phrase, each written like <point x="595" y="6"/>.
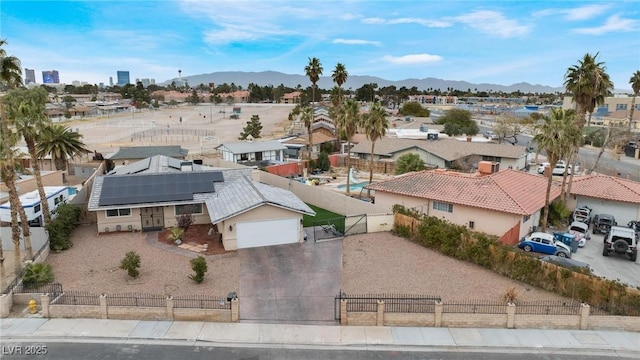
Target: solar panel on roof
<point x="174" y="163"/>
<point x="138" y="189"/>
<point x="136" y="167"/>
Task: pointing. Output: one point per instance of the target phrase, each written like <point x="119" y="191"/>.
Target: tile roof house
<point x="607" y="195"/>
<point x="507" y="201"/>
<point x="443" y="153"/>
<point x="152" y="193"/>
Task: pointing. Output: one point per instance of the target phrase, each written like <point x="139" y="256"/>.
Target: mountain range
<point x="354" y="82"/>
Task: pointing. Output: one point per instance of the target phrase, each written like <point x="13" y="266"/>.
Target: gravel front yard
<point x="385" y="263"/>
<point x="93" y="265"/>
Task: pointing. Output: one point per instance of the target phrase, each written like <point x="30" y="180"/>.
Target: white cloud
<point x="412" y="59"/>
<point x="373" y="21"/>
<point x="613" y="24"/>
<point x="348" y="16"/>
<point x="493" y="23"/>
<point x="575" y="14"/>
<point x="423" y="22"/>
<point x="356" y="42"/>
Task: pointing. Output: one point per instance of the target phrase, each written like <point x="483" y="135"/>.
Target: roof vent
<point x="186" y="166"/>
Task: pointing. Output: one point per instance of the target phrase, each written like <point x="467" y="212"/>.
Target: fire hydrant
<point x="33" y="306"/>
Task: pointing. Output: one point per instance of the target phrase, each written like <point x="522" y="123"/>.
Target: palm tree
<point x="552" y="136"/>
<point x="635" y="85"/>
<point x="313" y="70"/>
<point x="350" y="126"/>
<point x="62" y="143"/>
<point x="339" y="77"/>
<point x="375" y="125"/>
<point x="26" y="108"/>
<point x="10" y="77"/>
<point x="588" y="83"/>
<point x="307" y="119"/>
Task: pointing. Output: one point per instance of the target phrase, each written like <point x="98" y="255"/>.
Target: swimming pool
<point x="354" y="187"/>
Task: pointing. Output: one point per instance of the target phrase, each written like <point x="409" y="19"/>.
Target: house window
<point x="621" y="106"/>
<point x="440" y="206"/>
<point x="193" y="209"/>
<point x="526" y="218"/>
<point x="244" y="157"/>
<point x="36" y="208"/>
<point x="472" y="224"/>
<point x="118" y="212"/>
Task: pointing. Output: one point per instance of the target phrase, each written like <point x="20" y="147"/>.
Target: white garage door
<point x="267" y="232"/>
<point x="623" y="212"/>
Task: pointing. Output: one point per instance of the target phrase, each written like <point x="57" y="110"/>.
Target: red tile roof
<point x="509" y="191"/>
<point x="607" y="187"/>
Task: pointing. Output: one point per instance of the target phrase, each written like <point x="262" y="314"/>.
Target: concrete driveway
<point x="294" y="283"/>
<point x="612" y="267"/>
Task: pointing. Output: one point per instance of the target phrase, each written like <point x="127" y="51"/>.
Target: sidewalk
<point x="623" y="344"/>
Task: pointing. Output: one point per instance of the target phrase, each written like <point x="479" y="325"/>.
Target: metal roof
<point x="244" y="147"/>
<point x="141" y="152"/>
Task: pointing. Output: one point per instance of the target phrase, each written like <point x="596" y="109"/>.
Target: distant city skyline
<point x="503" y="42"/>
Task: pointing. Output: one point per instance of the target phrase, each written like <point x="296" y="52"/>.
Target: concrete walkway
<point x="611" y="343"/>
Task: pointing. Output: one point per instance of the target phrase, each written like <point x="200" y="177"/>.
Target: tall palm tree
<point x="351" y="121"/>
<point x="62" y="143"/>
<point x="339" y="77"/>
<point x="10" y="78"/>
<point x="313" y="70"/>
<point x="551" y="135"/>
<point x="26" y="109"/>
<point x="635" y="85"/>
<point x="588" y="83"/>
<point x="375" y="126"/>
<point x="307" y="118"/>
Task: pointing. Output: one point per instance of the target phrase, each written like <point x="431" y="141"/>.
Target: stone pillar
<point x="44" y="303"/>
<point x="343" y="312"/>
<point x="103" y="307"/>
<point x="235" y="310"/>
<point x="170" y="308"/>
<point x="6" y="302"/>
<point x="438" y="314"/>
<point x="511" y="315"/>
<point x="380" y="313"/>
<point x="585" y="310"/>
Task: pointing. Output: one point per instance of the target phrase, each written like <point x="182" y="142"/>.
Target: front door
<point x="152" y="218"/>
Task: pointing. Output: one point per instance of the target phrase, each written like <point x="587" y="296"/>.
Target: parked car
<point x="603" y="222"/>
<point x="565" y="262"/>
<point x="581" y="232"/>
<point x="621" y="240"/>
<point x="546" y="165"/>
<point x="544" y="243"/>
<point x="491" y="135"/>
<point x="559" y="170"/>
<point x="582" y="214"/>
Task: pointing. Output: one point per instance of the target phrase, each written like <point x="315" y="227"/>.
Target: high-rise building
<point x="50" y="77"/>
<point x="111" y="81"/>
<point x="123" y="78"/>
<point x="29" y="76"/>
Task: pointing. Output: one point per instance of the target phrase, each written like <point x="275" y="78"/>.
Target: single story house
<point x="498" y="203"/>
<point x="252" y="151"/>
<point x="607" y="195"/>
<point x="153" y="193"/>
<point x="126" y="155"/>
<point x="444" y="153"/>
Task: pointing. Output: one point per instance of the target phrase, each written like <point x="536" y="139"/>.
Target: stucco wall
<point x="135" y="222"/>
<point x="487" y="221"/>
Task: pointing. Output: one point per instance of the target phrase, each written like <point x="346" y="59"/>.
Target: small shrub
<point x="175" y="234"/>
<point x="60" y="228"/>
<point x="199" y="266"/>
<point x="184" y="221"/>
<point x="510" y="295"/>
<point x="131" y="263"/>
<point x="323" y="162"/>
<point x="37" y="274"/>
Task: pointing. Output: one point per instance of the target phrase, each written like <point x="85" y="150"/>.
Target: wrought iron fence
<point x="53" y="288"/>
<point x="548" y="308"/>
<point x="136" y="299"/>
<point x="394" y="303"/>
<point x="76" y="298"/>
<point x="201" y="302"/>
<point x="475" y="307"/>
<point x="615" y="310"/>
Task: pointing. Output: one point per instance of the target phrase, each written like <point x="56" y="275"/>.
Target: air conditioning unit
<point x="106" y="229"/>
<point x="118" y="227"/>
<point x="130" y="227"/>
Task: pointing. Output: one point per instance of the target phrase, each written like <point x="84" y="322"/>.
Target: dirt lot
<point x="385" y="263"/>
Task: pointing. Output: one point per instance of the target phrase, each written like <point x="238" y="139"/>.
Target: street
<point x="69" y="350"/>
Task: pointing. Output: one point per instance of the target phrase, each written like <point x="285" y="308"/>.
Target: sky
<point x="497" y="42"/>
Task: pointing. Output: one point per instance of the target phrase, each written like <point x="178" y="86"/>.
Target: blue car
<point x="544" y="243"/>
